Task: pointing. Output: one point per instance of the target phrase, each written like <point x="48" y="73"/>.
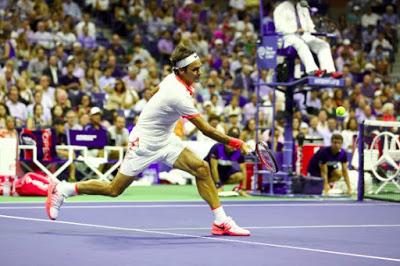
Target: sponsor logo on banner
<point x="85" y="137"/>
<point x="46" y="139"/>
<point x="267" y="52"/>
<point x="326" y="82"/>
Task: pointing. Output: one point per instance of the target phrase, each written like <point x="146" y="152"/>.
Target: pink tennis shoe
<point x="229" y="228"/>
<point x="54" y="201"/>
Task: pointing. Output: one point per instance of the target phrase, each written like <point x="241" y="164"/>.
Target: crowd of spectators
<point x="61" y="58"/>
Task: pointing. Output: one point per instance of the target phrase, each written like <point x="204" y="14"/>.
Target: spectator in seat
<point x="370" y="18"/>
<point x="9" y="131"/>
<point x="233" y="121"/>
<point x="331" y="129"/>
<point x="38" y="64"/>
<point x="118" y="133"/>
<point x="48" y="91"/>
<point x="390" y="17"/>
<point x="349" y="134"/>
<point x="72" y="9"/>
<point x="165" y="46"/>
<point x="39" y="120"/>
<point x="388" y="112"/>
<point x="248" y="134"/>
<point x="313" y="131"/>
<point x="66" y="36"/>
<point x="132" y="81"/>
<point x="88" y="42"/>
<point x="84" y="120"/>
<point x="91" y="27"/>
<point x="53" y="71"/>
<point x="16" y="108"/>
<point x="119" y="97"/>
<point x="147" y="94"/>
<point x="71" y="84"/>
<point x="43" y="37"/>
<point x="96" y="124"/>
<point x="3" y="115"/>
<point x="117" y="49"/>
<point x="71" y="121"/>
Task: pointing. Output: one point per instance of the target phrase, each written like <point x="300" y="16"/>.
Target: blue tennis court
<point x="178" y="233"/>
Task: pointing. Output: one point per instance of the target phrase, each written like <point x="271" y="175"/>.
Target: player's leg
<point x="98" y="187"/>
<point x="58" y="192"/>
<point x="191" y="163"/>
<point x="131" y="166"/>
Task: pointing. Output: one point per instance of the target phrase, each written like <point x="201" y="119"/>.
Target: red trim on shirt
<point x="134" y="143"/>
<point x="190" y="116"/>
<point x="189" y="88"/>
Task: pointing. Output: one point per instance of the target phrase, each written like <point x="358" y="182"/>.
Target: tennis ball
<point x="340" y="111"/>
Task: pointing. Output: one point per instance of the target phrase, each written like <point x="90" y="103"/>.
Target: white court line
<point x="218" y="239"/>
<point x="205" y="206"/>
<point x="287" y="227"/>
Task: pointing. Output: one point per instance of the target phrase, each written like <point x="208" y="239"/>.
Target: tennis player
<point x="152" y="139"/>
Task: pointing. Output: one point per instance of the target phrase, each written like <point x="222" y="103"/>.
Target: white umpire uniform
<point x="287" y="24"/>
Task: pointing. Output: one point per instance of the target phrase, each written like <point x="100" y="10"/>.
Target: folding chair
<point x="95" y="139"/>
<point x="39" y="147"/>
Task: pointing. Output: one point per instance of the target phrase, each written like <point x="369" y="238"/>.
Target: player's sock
<point x="220" y="215"/>
<point x="67" y="189"/>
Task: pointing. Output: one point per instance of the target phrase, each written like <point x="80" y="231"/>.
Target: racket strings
<point x="267" y="158"/>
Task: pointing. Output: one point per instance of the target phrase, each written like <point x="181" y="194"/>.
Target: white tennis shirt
<point x="157" y="121"/>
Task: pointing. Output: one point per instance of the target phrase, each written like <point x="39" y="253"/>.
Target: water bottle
<point x="6" y="187"/>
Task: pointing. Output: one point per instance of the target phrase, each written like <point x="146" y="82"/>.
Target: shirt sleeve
<point x="214" y="151"/>
<point x="343" y="156"/>
<point x="323" y="156"/>
<point x="185" y="107"/>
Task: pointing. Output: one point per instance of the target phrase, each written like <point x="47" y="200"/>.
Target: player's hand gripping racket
<point x="266" y="156"/>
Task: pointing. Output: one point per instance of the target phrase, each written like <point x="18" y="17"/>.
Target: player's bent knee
<point x="114" y="191"/>
<point x="203" y="170"/>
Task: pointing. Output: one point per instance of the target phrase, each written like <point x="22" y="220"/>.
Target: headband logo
<point x="187" y="61"/>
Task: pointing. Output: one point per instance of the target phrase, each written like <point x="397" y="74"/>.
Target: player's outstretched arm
<point x="213" y="133"/>
<point x="209" y="131"/>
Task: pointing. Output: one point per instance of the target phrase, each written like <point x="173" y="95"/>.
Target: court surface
<point x="178" y="233"/>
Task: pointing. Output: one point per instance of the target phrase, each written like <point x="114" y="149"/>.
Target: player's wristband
<point x="235" y="143"/>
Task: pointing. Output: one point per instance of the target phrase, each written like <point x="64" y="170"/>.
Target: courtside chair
<point x="38" y="147"/>
<point x="95" y="139"/>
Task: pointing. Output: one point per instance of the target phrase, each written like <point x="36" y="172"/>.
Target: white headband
<point x="187" y="60"/>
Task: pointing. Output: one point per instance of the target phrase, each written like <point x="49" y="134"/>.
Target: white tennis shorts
<point x="141" y="154"/>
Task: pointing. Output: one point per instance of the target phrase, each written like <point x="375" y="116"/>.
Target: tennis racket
<point x="266" y="157"/>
